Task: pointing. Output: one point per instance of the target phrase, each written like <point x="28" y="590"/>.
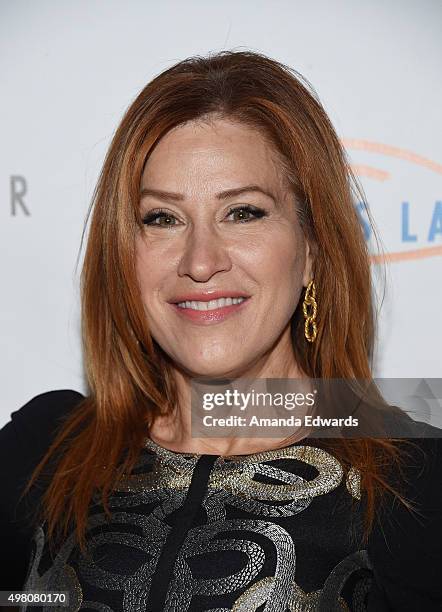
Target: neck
<point x="174" y="431"/>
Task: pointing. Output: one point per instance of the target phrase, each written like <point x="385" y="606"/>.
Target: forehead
<point x="212" y="154"/>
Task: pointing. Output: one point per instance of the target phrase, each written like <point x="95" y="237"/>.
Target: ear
<point x="309" y="263"/>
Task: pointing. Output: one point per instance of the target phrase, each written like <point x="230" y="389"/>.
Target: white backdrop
<point x="69" y="69"/>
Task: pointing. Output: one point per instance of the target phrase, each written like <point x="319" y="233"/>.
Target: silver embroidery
<point x="123" y="554"/>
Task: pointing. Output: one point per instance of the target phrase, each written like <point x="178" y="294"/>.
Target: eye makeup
<point x="161" y="213"/>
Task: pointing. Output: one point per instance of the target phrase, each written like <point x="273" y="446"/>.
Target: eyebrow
<point x="222" y="195"/>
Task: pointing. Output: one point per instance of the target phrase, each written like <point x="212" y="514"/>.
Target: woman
<point x="223" y="244"/>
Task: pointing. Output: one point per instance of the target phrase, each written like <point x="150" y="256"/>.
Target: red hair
<point x="128" y="387"/>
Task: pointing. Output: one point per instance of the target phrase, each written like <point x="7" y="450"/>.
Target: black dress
<point x="277" y="531"/>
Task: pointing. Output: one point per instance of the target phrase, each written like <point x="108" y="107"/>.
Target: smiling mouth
<point x="211" y="304"/>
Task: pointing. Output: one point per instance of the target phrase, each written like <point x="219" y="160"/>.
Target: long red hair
<point x="129" y="376"/>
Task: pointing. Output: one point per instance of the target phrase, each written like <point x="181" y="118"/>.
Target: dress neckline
<point x="268" y="454"/>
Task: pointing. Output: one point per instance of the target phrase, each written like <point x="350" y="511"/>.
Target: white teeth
<point x="211" y="305"/>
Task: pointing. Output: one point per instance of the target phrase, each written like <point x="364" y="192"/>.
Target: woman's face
<point x="200" y="242"/>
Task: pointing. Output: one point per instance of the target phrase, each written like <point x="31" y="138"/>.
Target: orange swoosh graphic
<point x="378" y="147"/>
<point x="370" y="172"/>
<point x="407" y="255"/>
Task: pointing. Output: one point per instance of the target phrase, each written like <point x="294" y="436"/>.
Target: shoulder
<point x="391" y="421"/>
<point x="37" y="420"/>
<point x="24" y="441"/>
<point x="47" y="406"/>
<point x="406" y="544"/>
<point x="419" y="478"/>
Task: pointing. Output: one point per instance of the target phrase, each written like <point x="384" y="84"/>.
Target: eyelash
<point x="152" y="216"/>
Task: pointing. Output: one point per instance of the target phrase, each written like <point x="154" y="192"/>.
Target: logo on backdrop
<point x="18" y="190"/>
<point x="404" y="197"/>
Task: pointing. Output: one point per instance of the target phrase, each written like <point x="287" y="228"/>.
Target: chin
<point x="211" y="370"/>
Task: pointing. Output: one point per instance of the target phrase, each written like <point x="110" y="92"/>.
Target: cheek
<point x="150" y="257"/>
<point x="275" y="260"/>
<point x="149" y="268"/>
<point x="141" y="263"/>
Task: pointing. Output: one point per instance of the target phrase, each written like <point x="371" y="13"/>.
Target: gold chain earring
<point x="310" y="309"/>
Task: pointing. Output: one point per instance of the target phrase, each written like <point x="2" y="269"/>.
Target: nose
<point x="205" y="253"/>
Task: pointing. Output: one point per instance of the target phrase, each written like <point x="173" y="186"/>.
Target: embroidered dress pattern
<point x="274" y="531"/>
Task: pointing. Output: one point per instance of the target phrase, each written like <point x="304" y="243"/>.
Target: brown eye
<point x="243" y="213"/>
<point x="151" y="218"/>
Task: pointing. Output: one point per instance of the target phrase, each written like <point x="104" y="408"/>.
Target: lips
<point x="209" y="317"/>
<point x="207" y="296"/>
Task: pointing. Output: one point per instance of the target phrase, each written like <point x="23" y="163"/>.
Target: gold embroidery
<point x="236" y="475"/>
<point x="353" y="483"/>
